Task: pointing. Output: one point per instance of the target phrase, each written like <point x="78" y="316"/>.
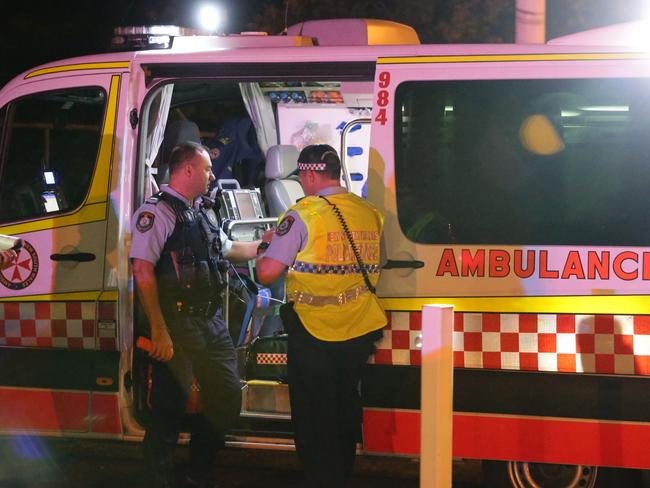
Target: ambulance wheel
<point x="538" y="475"/>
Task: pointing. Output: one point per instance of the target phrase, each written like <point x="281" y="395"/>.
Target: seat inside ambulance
<point x="177" y="131"/>
<point x="282" y="187"/>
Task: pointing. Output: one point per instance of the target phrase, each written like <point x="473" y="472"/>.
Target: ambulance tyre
<point x="515" y="474"/>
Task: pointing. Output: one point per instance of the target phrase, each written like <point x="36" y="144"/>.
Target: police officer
<point x="176" y="253"/>
<point x="330" y="243"/>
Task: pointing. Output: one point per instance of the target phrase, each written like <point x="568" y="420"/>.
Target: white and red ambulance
<point x="515" y="181"/>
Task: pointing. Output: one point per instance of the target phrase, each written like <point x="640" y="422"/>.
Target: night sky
<point x="37" y="31"/>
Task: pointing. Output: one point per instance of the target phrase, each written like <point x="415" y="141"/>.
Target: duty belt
<point x="348" y="295"/>
<point x="201" y="309"/>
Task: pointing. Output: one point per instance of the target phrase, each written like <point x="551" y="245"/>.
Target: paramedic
<point x="333" y="317"/>
<point x="7" y="258"/>
<point x="177" y="251"/>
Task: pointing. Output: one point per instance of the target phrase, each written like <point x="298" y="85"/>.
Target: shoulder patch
<point x="285" y="225"/>
<point x="145" y="221"/>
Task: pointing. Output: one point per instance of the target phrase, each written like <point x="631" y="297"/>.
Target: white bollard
<point x="437" y="396"/>
<point x="530" y="21"/>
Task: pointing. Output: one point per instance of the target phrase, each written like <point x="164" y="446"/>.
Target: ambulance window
<point x="49" y="153"/>
<point x="524" y="161"/>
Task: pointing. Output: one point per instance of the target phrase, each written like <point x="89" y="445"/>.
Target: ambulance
<point x="515" y="182"/>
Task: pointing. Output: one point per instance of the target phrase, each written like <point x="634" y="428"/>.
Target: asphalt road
<point x="32" y="462"/>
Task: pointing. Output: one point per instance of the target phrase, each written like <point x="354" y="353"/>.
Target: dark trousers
<point x="203" y="348"/>
<point x="325" y="403"/>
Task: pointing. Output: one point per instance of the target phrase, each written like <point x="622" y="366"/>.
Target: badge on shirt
<point x="285" y="225"/>
<point x="212" y="217"/>
<point x="145" y="221"/>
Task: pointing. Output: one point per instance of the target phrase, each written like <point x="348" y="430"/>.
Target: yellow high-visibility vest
<point x="325" y="282"/>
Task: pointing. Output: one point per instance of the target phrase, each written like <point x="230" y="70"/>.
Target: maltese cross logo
<point x="24" y="269"/>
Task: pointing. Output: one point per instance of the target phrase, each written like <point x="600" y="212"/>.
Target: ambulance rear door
<point x="58" y="339"/>
<point x="513" y="175"/>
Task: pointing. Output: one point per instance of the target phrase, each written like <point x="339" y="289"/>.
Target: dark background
<point x="33" y="32"/>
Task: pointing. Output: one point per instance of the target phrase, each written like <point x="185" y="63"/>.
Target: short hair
<point x="322" y="153"/>
<point x="183" y="152"/>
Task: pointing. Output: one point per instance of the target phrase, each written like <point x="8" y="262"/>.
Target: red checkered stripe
<point x="604" y="344"/>
<point x="64" y="325"/>
<point x="270" y="358"/>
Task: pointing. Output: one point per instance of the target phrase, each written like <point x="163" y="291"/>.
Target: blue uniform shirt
<point x="152" y="225"/>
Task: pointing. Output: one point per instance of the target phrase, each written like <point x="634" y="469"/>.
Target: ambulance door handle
<point x="399" y="264"/>
<point x="81" y="257"/>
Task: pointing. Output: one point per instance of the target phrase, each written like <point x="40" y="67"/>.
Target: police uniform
<point x="333" y="324"/>
<point x="183" y="244"/>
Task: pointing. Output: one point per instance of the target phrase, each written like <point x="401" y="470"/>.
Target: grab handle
<point x="399" y="264"/>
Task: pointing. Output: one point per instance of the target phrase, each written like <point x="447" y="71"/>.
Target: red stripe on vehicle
<point x="106" y="416"/>
<point x="543" y="440"/>
<point x="43" y="410"/>
<point x="391" y="431"/>
<point x="557" y="441"/>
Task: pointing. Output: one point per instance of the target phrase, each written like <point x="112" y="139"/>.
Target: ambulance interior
<point x="254" y="132"/>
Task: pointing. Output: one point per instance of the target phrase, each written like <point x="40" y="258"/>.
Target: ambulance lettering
<point x="499" y="263"/>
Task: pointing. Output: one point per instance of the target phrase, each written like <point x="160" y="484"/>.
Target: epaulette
<point x="306" y="200"/>
<point x="310" y="204"/>
<point x="178" y="206"/>
<point x="155" y="198"/>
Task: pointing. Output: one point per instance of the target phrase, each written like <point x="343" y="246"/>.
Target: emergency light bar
<point x="139" y="38"/>
<point x="329" y="32"/>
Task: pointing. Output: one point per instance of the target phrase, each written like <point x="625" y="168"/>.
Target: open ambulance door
<point x="58" y="331"/>
<point x="243" y="111"/>
<point x="514" y="187"/>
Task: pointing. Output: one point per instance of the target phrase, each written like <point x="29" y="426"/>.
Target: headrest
<point x="179" y="131"/>
<point x="281" y="161"/>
